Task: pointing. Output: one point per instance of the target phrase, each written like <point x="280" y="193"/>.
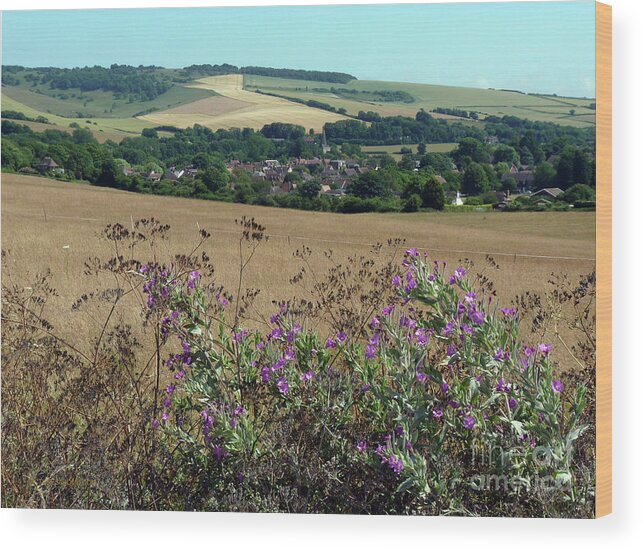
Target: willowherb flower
<point x="341" y="337"/>
<point x="508" y="311"/>
<point x="375" y="322"/>
<point x="469" y="422"/>
<point x="307" y="376"/>
<point x="155" y="424"/>
<point x="413" y="252"/>
<point x="388" y="310"/>
<point x="238" y="410"/>
<point x="422" y="338"/>
<point x="470" y="297"/>
<point x="144" y="269"/>
<point x="240" y="335"/>
<point x="361" y="446"/>
<point x="396" y="281"/>
<point x="421" y="376"/>
<point x="370" y="351"/>
<point x="444" y="387"/>
<point x="557" y="386"/>
<point x="330" y="343"/>
<point x="529" y="351"/>
<point x="448" y="328"/>
<point x="265" y="374"/>
<point x="451" y="350"/>
<point x="276" y="333"/>
<point x="399" y="431"/>
<point x="477" y="317"/>
<point x="193" y="277"/>
<point x="501" y="386"/>
<point x="289" y="354"/>
<point x="282" y="386"/>
<point x="437" y="413"/>
<point x="512" y="403"/>
<point x="545" y="348"/>
<point x="219" y="452"/>
<point x="395" y="464"/>
<point x="279" y="364"/>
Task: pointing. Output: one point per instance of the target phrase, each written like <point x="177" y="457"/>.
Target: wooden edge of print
<point x="603" y="259"/>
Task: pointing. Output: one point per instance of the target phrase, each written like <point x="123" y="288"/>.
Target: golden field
<point x="54" y="225"/>
<point x="235" y="107"/>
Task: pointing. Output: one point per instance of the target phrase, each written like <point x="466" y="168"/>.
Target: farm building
<point x="49" y="165"/>
<point x="549" y="192"/>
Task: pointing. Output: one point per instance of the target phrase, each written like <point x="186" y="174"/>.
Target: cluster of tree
<point x="15" y="115"/>
<point x="396" y="96"/>
<point x="139" y="83"/>
<point x="396" y="130"/>
<point x="456" y="112"/>
<point x="296" y="74"/>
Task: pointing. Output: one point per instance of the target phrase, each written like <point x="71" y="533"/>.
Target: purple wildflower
<point x="155" y="424"/>
<point x="290" y="354"/>
<point x="280" y="364"/>
<point x="265" y="374"/>
<point x="437" y="413"/>
<point x="512" y="403"/>
<point x="557" y="386"/>
<point x="508" y="311"/>
<point x="396" y="281"/>
<point x="341" y="337"/>
<point x="361" y="446"/>
<point x="444" y="387"/>
<point x="469" y="422"/>
<point x="193" y="277"/>
<point x="330" y="343"/>
<point x="413" y="252"/>
<point x="307" y="376"/>
<point x="470" y="297"/>
<point x="545" y="348"/>
<point x="421" y="376"/>
<point x="370" y="351"/>
<point x="448" y="328"/>
<point x="395" y="464"/>
<point x="282" y="386"/>
<point x="451" y="350"/>
<point x="477" y="317"/>
<point x="240" y="335"/>
<point x="422" y="337"/>
<point x="375" y="322"/>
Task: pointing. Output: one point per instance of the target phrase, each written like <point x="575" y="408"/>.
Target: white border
<point x="168" y="530"/>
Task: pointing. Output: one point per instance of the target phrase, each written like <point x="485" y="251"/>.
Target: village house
<point x="548" y="192"/>
<point x="49" y="165"/>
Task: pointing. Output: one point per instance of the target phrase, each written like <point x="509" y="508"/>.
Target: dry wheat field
<point x="53" y="225"/>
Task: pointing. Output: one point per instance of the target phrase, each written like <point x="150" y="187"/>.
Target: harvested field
<point x="40" y="217"/>
<point x="258" y="110"/>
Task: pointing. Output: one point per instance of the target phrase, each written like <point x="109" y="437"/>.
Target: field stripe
<point x="431" y="249"/>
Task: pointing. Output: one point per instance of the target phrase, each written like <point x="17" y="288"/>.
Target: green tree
<point x="412" y="204"/>
<point x="376" y="183"/>
<point x="474" y="180"/>
<point x="544" y="176"/>
<point x="470" y="148"/>
<point x="309" y="189"/>
<point x="433" y="194"/>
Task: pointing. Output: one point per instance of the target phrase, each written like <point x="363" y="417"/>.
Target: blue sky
<point x="543" y="47"/>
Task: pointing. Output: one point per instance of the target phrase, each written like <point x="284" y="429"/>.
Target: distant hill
<point x="121" y="100"/>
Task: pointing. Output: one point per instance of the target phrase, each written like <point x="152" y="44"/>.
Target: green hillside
<point x="484" y="102"/>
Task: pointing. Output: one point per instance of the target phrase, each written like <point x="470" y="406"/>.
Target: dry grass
<point x="250" y="110"/>
<point x="40" y="217"/>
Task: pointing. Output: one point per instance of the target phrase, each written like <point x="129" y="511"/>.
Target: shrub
<point x="442" y="374"/>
